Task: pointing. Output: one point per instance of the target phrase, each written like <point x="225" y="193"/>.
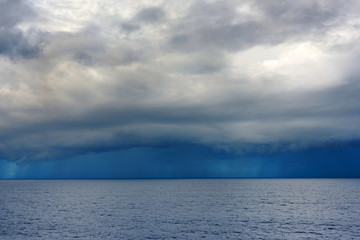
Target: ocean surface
<point x="180" y="209"/>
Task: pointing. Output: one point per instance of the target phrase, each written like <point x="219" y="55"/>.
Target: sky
<point x="179" y="89"/>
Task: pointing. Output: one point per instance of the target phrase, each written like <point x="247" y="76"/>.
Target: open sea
<point x="180" y="209"/>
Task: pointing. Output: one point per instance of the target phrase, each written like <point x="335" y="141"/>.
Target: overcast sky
<point x="83" y="77"/>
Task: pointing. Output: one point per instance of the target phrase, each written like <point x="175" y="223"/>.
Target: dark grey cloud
<point x="145" y="16"/>
<point x="150" y="15"/>
<point x="129" y="27"/>
<point x="13" y="41"/>
<point x="238" y="124"/>
<point x="232" y="37"/>
<point x="89" y="48"/>
<point x="13" y="12"/>
<point x="306" y="15"/>
<point x="280" y="21"/>
<point x="83" y="58"/>
<point x="206" y="62"/>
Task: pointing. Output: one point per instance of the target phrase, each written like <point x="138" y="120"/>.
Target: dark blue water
<point x="180" y="209"/>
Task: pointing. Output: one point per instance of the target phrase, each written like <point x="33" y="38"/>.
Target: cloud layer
<point x="95" y="76"/>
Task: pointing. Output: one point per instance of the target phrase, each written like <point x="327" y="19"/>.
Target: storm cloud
<point x="15" y="42"/>
<point x="249" y="76"/>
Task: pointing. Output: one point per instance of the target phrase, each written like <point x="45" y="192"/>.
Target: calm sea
<point x="180" y="209"/>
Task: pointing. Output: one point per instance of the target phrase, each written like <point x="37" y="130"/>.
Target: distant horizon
<point x="187" y="161"/>
<point x="199" y="178"/>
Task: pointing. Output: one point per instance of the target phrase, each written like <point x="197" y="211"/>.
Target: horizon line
<point x="190" y="178"/>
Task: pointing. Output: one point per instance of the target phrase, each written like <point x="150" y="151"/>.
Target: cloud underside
<point x="250" y="76"/>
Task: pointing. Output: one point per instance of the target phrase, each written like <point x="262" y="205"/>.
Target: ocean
<point x="180" y="209"/>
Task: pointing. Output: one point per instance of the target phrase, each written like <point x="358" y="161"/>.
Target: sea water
<point x="180" y="209"/>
